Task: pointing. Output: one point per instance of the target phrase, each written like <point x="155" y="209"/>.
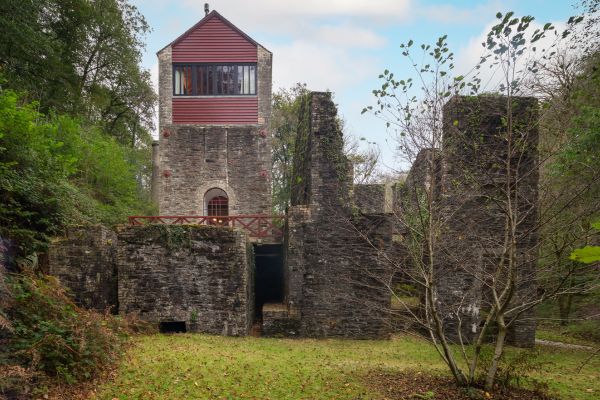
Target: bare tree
<point x="470" y="205"/>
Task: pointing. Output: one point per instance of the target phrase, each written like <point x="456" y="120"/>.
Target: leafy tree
<point x="54" y="172"/>
<point x="81" y="58"/>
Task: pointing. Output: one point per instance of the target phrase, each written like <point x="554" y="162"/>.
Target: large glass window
<point x="214" y="79"/>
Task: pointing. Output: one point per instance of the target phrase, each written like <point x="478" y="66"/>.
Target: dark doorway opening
<point x="172" y="327"/>
<point x="268" y="279"/>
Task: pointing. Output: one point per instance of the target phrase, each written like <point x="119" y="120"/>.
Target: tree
<point x="497" y="173"/>
<point x="81" y="58"/>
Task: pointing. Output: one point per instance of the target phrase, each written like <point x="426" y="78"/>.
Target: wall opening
<point x="269" y="277"/>
<point x="216" y="204"/>
<point x="172" y="327"/>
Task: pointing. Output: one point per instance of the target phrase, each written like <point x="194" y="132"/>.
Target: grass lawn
<point x="194" y="366"/>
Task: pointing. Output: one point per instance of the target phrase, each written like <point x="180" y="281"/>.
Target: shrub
<point x="50" y="337"/>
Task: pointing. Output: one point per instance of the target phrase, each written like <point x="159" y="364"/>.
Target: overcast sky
<point x="343" y="45"/>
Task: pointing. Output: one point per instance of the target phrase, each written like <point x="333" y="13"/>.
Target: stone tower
<point x="214" y="151"/>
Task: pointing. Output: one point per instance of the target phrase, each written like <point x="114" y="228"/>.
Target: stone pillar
<point x="474" y="180"/>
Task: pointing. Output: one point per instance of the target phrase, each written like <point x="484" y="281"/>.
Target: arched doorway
<point x="216" y="204"/>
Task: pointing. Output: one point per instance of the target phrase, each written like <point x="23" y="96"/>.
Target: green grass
<point x="194" y="366"/>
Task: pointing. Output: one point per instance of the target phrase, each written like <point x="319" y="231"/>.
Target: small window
<point x="214" y="79"/>
<point x="216" y="205"/>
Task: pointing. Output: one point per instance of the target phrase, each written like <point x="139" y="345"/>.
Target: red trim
<point x="257" y="226"/>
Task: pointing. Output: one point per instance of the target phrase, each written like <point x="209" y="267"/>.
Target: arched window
<point x="216" y="204"/>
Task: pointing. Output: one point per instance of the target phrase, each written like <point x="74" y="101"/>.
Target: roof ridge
<point x="206" y="18"/>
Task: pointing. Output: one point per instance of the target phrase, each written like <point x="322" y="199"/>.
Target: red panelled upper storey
<point x="214" y="39"/>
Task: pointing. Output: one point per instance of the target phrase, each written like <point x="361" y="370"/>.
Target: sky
<point x="343" y="45"/>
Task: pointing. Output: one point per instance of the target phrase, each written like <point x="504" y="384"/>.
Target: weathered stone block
<point x="84" y="262"/>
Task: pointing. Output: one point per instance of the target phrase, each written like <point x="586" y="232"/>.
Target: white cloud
<point x="450" y="13"/>
<point x="271" y="10"/>
<point x="347" y="36"/>
<point x="321" y="66"/>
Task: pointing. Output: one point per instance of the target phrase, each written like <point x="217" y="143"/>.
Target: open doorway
<point x="269" y="277"/>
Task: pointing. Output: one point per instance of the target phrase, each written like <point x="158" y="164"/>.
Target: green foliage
<point x="587" y="254"/>
<point x="80" y="57"/>
<point x="51" y="337"/>
<point x="284" y="124"/>
<point x="54" y="172"/>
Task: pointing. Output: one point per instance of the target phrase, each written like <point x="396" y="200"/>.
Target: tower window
<point x="216" y="205"/>
<point x="214" y="79"/>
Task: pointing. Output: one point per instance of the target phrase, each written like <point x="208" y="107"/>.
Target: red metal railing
<point x="257" y="226"/>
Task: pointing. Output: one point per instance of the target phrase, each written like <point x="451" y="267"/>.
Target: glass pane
<point x="210" y="87"/>
<point x="219" y="78"/>
<point x="200" y="80"/>
<point x="189" y="81"/>
<point x="247" y="79"/>
<point x="240" y="80"/>
<point x="252" y="79"/>
<point x="177" y="80"/>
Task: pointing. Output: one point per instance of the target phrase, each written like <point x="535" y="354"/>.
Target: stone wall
<point x="202" y="275"/>
<point x="333" y="262"/>
<point x="195" y="159"/>
<point x="473" y="200"/>
<point x="374" y="198"/>
<point x="84" y="262"/>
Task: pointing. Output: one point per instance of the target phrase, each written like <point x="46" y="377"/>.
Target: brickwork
<point x="202" y="275"/>
<point x="84" y="262"/>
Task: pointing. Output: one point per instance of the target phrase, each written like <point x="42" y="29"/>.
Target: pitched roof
<point x="209" y="16"/>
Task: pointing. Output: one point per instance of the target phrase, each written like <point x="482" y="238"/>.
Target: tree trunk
<point x="491" y="375"/>
<point x="564" y="308"/>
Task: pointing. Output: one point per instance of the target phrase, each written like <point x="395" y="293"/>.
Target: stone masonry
<point x="472" y="196"/>
<point x="84" y="262"/>
<point x="202" y="275"/>
<point x="333" y="274"/>
<point x="339" y="238"/>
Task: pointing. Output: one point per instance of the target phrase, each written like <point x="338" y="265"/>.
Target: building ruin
<point x="217" y="261"/>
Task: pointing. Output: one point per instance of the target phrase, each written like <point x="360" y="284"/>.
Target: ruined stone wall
<point x="374" y="198"/>
<point x="202" y="275"/>
<point x="473" y="199"/>
<point x="84" y="262"/>
<point x="333" y="262"/>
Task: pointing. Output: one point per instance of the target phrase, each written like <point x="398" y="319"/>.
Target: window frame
<point x="214" y="83"/>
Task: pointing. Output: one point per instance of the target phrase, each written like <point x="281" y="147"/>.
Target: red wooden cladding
<point x="215" y="110"/>
<point x="214" y="41"/>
